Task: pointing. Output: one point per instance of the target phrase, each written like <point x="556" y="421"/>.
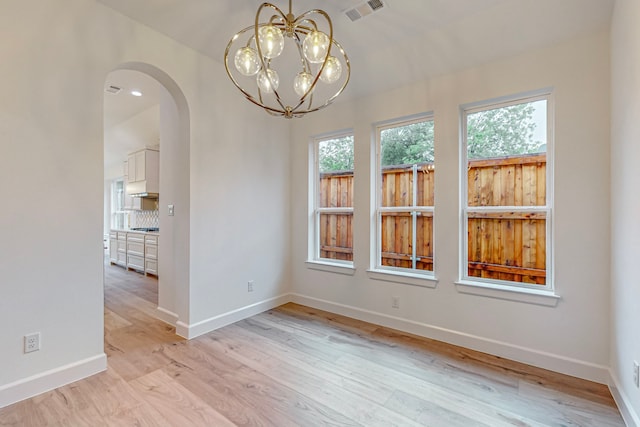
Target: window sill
<point x="529" y="296"/>
<point x="332" y="267"/>
<point x="404" y="278"/>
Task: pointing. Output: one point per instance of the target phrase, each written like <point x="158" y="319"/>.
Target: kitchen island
<point x="135" y="249"/>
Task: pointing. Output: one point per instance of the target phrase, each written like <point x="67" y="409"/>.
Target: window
<point x="405" y="198"/>
<point x="332" y="190"/>
<point x="506" y="199"/>
<point x="118" y="216"/>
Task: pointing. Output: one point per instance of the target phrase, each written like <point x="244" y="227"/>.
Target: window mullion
<point x="414" y="217"/>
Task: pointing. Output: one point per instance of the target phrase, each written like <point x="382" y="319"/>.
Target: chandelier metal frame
<point x="295" y="28"/>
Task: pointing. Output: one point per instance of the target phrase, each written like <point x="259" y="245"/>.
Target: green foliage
<point x="407" y="144"/>
<point x="336" y="154"/>
<point x="498" y="132"/>
<point x="501" y="132"/>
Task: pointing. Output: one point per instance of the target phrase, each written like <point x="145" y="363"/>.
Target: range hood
<point x="140" y="189"/>
<point x="145" y="195"/>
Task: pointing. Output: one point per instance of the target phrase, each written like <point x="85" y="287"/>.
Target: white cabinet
<point x="142" y="175"/>
<point x="118" y="248"/>
<point x="137" y="165"/>
<point x="113" y="247"/>
<point x="135" y="251"/>
<point x="151" y="254"/>
<point x="143" y="169"/>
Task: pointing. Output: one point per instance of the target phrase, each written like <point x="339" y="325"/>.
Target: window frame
<point x="314" y="260"/>
<point x="492" y="285"/>
<point x="378" y="271"/>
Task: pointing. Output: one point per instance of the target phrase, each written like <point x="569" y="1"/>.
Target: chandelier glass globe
<point x="332" y="71"/>
<point x="247" y="61"/>
<point x="271" y="41"/>
<point x="315" y="46"/>
<point x="269" y="81"/>
<point x="302" y="83"/>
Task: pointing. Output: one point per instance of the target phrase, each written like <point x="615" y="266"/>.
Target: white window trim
<point x="377" y="271"/>
<point x="534" y="294"/>
<point x="313" y="252"/>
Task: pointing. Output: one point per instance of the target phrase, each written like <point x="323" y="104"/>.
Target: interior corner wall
<point x="573" y="336"/>
<point x="625" y="203"/>
<point x="56" y="55"/>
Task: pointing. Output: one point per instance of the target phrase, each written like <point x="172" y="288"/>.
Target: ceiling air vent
<point x="113" y="89"/>
<point x="364" y="9"/>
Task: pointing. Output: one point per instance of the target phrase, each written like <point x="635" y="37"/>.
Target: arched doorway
<point x="173" y="135"/>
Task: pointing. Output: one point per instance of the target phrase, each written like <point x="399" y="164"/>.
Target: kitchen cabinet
<point x="137" y="165"/>
<point x="113" y="247"/>
<point x="135" y="173"/>
<point x="144" y="165"/>
<point x="135" y="251"/>
<point x="151" y="254"/>
<point x="118" y="248"/>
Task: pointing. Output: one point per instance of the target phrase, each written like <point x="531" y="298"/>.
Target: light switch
<point x="171" y="210"/>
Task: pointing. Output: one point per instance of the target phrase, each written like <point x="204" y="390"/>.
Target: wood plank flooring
<point x="297" y="366"/>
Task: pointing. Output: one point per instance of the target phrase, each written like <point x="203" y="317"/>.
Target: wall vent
<point x="364" y="9"/>
<point x="113" y="89"/>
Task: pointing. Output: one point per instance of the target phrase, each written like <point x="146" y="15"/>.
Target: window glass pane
<point x="506" y="152"/>
<point x="336" y="236"/>
<point x="402" y="147"/>
<point x="507" y="247"/>
<point x="335" y="162"/>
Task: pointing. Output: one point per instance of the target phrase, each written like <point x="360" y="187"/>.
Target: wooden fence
<point x="508" y="245"/>
<point x="501" y="245"/>
<point x="336" y="191"/>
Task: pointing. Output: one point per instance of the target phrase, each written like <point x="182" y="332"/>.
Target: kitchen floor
<point x="118" y="281"/>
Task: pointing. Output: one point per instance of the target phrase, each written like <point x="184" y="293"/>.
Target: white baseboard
<point x="199" y="328"/>
<point x="552" y="362"/>
<point x="167" y="316"/>
<point x="49" y="380"/>
<point x="629" y="415"/>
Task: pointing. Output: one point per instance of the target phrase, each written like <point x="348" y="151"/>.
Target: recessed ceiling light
<point x="136" y="93"/>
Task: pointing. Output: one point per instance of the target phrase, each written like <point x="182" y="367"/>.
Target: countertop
<point x="127" y="230"/>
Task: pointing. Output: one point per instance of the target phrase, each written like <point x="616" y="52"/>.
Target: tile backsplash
<point x="145" y="219"/>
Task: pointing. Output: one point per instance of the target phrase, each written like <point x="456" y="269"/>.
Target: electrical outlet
<point x="636" y="374"/>
<point x="395" y="302"/>
<point x="250" y="286"/>
<point x="32" y="342"/>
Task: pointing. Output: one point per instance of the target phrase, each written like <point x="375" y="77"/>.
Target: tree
<point x="407" y="144"/>
<point x="502" y="131"/>
<point x="336" y="154"/>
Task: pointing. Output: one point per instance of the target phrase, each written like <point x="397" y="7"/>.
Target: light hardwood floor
<point x="297" y="366"/>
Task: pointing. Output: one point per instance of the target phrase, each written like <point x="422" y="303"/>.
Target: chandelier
<point x="295" y="50"/>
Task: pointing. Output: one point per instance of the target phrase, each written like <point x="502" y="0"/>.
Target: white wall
<point x="571" y="337"/>
<point x="139" y="131"/>
<point x="625" y="203"/>
<point x="56" y="55"/>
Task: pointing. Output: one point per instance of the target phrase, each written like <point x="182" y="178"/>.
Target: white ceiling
<point x="404" y="42"/>
<point x="129" y="121"/>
